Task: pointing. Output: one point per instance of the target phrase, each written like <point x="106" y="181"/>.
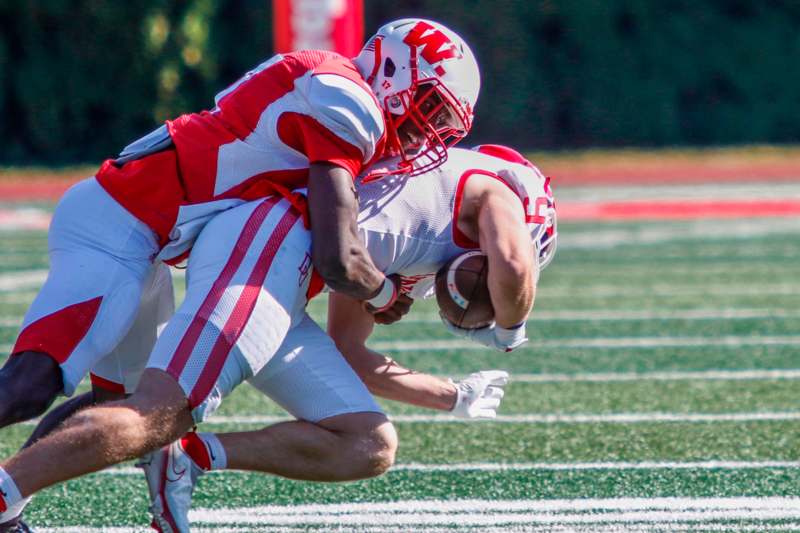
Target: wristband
<point x="511" y="337"/>
<point x="385" y="297"/>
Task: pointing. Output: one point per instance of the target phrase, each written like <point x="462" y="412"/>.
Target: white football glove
<point x="479" y="394"/>
<point x="491" y="336"/>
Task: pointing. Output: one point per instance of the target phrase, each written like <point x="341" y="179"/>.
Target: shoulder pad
<point x="347" y="109"/>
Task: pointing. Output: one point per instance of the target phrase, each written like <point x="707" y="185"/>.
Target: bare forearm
<point x="505" y="239"/>
<point x="387" y="379"/>
<point x="512" y="294"/>
<point x="337" y="251"/>
<point x="353" y="273"/>
<point x="349" y="325"/>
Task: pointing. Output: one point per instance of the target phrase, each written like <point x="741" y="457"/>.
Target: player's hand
<point x="479" y="394"/>
<point x="398" y="310"/>
<point x="491" y="336"/>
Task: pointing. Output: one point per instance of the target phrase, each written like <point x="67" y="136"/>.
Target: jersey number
<point x="534" y="215"/>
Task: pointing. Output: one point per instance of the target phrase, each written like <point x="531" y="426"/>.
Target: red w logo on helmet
<point x="433" y="45"/>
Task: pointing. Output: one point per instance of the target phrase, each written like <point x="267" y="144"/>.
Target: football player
<point x="309" y="119"/>
<point x="411" y="227"/>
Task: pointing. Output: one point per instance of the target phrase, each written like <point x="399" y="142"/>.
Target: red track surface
<point x="575" y="211"/>
<point x="671" y="172"/>
<point x="34" y="190"/>
<point x="677" y="210"/>
<point x="22" y="189"/>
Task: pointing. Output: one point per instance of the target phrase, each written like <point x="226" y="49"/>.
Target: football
<point x="462" y="291"/>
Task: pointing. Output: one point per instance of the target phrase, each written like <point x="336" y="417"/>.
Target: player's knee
<point x="159" y="423"/>
<point x="373" y="450"/>
<point x="367" y="444"/>
<point x="163" y="406"/>
<point x="382" y="450"/>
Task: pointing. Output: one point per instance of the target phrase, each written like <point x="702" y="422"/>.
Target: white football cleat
<point x="171" y="476"/>
<point x="11" y="518"/>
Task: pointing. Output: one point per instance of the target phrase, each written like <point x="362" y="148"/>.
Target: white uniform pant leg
<point x="120" y="370"/>
<point x="100" y="260"/>
<point x="246" y="289"/>
<point x="310" y="378"/>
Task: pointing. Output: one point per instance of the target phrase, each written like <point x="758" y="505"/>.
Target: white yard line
<point x="512" y="506"/>
<point x="106" y="529"/>
<point x="647" y="314"/>
<point x="24" y="218"/>
<point x="643" y="465"/>
<point x="475" y="513"/>
<point x="33" y="279"/>
<point x="608" y="514"/>
<point x="544" y="418"/>
<point x="17" y="297"/>
<point x="515" y="467"/>
<point x="571" y="315"/>
<point x="553" y="418"/>
<point x="24" y="279"/>
<point x="699" y="375"/>
<point x="434" y="345"/>
<point x="515" y="528"/>
<point x="496" y="516"/>
<point x="622" y="290"/>
<point x="725" y="231"/>
<point x="416" y="520"/>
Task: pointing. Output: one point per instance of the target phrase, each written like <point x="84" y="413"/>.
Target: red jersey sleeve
<point x="343" y="122"/>
<point x="311" y="138"/>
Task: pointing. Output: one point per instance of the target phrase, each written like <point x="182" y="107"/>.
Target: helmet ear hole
<point x="389" y="68"/>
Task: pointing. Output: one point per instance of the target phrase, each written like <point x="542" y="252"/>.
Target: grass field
<point x="658" y="393"/>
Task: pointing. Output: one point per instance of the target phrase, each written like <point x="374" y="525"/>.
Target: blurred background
<point x="79" y="79"/>
<point x="663" y="364"/>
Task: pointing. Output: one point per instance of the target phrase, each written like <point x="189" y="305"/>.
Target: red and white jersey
<point x="408" y="224"/>
<point x="265" y="131"/>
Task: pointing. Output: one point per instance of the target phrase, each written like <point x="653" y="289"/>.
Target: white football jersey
<point x="408" y="223"/>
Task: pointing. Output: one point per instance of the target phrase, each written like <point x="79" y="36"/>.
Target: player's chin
<point x="413" y="144"/>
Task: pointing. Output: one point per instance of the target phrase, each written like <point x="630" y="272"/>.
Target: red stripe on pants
<point x="189" y="340"/>
<point x="242" y="311"/>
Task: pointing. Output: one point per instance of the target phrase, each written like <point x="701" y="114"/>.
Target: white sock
<point x="219" y="459"/>
<point x="205" y="449"/>
<point x="11" y="501"/>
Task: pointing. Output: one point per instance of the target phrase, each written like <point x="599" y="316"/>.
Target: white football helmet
<point x="426" y="79"/>
<point x="543" y="222"/>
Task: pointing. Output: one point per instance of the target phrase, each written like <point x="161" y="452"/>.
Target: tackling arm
<point x="338" y="254"/>
<point x="477" y="396"/>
